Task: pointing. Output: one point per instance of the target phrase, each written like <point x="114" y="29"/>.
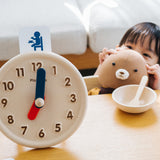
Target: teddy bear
<point x="125" y="67"/>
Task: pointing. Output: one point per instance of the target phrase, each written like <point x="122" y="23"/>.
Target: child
<point x="145" y="39"/>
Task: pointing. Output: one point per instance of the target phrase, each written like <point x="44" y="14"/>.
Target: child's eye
<point x="129" y="47"/>
<point x="146" y="55"/>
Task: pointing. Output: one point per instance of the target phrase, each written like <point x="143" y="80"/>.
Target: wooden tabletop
<point x="105" y="134"/>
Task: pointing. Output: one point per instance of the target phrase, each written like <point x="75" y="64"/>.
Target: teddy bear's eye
<point x="135" y="70"/>
<point x="113" y="64"/>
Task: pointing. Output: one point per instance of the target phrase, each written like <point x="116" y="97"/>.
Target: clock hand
<point x="40" y="87"/>
<point x="33" y="112"/>
<point x="39" y="95"/>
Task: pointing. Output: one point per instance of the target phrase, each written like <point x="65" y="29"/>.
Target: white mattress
<point x="68" y="34"/>
<point x="108" y="20"/>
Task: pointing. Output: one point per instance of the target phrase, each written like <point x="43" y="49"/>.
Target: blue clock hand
<point x="40" y="88"/>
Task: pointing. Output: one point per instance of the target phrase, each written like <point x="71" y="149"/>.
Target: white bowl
<point x="124" y="94"/>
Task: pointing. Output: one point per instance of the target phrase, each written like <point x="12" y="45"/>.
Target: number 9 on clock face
<point x="43" y="99"/>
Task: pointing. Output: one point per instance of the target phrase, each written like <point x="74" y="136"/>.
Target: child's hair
<point x="140" y="32"/>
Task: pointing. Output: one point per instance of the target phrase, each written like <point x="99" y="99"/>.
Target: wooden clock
<point x="43" y="99"/>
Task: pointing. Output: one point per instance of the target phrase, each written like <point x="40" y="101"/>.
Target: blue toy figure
<point x="37" y="41"/>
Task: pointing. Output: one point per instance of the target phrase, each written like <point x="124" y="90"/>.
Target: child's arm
<point x="154" y="76"/>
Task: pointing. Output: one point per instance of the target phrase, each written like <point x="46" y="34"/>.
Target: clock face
<point x="63" y="105"/>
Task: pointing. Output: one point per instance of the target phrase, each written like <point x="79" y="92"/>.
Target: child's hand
<point x="154" y="76"/>
<point x="102" y="56"/>
<point x="105" y="53"/>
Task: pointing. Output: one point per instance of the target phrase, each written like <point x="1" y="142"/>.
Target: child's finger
<point x="147" y="66"/>
<point x="151" y="71"/>
<point x="102" y="57"/>
<point x="104" y="51"/>
<point x="112" y="51"/>
<point x="152" y="68"/>
<point x="121" y="48"/>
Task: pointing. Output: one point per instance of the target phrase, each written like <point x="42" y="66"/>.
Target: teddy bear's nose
<point x="122" y="74"/>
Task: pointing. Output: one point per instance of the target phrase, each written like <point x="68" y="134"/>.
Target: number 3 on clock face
<point x="43" y="99"/>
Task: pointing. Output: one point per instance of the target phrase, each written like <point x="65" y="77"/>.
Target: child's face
<point x="148" y="54"/>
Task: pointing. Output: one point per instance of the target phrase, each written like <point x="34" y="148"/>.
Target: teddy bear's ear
<point x="126" y="67"/>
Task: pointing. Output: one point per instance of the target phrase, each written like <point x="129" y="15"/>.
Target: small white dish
<point x="124" y="94"/>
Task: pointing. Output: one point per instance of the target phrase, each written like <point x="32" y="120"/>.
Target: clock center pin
<point x="39" y="102"/>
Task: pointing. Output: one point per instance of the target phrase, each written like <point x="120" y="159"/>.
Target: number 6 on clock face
<point x="43" y="99"/>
